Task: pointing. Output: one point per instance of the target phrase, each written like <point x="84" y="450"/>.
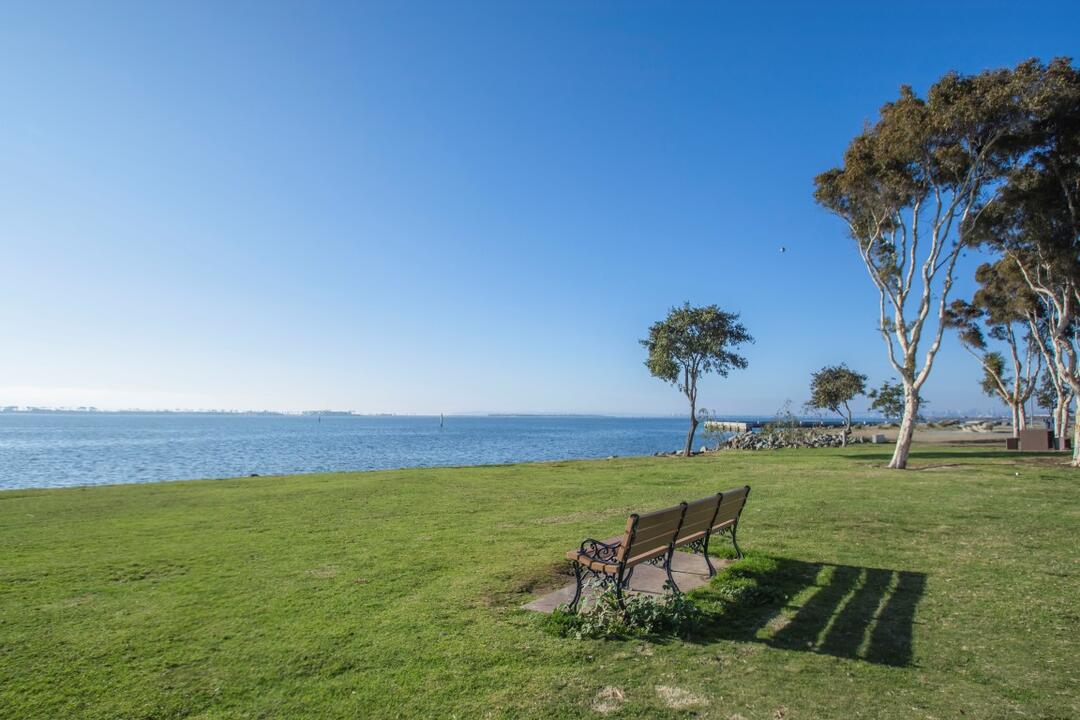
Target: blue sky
<point x="448" y="207"/>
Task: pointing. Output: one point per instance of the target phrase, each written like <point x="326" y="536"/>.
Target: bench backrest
<point x="731" y="504"/>
<point x="699" y="517"/>
<point x="651" y="535"/>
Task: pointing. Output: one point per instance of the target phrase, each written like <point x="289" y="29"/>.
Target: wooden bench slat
<point x="694" y="527"/>
<point x="667" y="516"/>
<point x="661" y="535"/>
<point x="702" y="507"/>
<point x="687" y="539"/>
<point x="637" y="558"/>
<point x="700" y="515"/>
<point x="726" y="514"/>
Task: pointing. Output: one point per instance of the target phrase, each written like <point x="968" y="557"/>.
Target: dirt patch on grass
<point x="135" y="572"/>
<point x="944" y="466"/>
<point x="324" y="571"/>
<point x="608" y="700"/>
<point x="777" y="624"/>
<point x="1025" y="462"/>
<point x="538" y="582"/>
<point x="678" y="698"/>
<point x="70" y="602"/>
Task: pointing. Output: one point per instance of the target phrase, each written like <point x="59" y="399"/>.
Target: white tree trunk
<point x="1076" y="445"/>
<point x="1017" y="423"/>
<point x="1063" y="416"/>
<point x="907" y="429"/>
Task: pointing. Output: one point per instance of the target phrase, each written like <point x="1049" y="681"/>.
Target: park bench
<point x="653" y="538"/>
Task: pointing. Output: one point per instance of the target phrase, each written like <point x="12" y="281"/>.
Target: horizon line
<point x="89" y="410"/>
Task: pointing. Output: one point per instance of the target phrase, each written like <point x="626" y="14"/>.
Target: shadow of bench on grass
<point x="840" y="610"/>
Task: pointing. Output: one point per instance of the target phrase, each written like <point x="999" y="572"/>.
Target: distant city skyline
<point x="799" y="412"/>
<point x="470" y="208"/>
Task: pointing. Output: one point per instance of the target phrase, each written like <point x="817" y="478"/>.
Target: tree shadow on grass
<point x="839" y="610"/>
<point x="1001" y="454"/>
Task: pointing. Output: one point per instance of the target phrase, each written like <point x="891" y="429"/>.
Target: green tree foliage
<point x="1035" y="220"/>
<point x="833" y="388"/>
<point x="889" y="400"/>
<point x="1009" y="310"/>
<point x="1046" y="393"/>
<point x="994" y="373"/>
<point x="1049" y="396"/>
<point x="911" y="190"/>
<point x="691" y="342"/>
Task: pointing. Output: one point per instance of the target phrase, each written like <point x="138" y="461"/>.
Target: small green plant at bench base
<point x="644" y="615"/>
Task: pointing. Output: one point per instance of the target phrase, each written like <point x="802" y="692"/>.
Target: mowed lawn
<point x="950" y="590"/>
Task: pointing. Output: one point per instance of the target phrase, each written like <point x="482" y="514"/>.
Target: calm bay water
<point x="67" y="449"/>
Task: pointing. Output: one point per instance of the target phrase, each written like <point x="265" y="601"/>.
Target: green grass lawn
<point x="951" y="590"/>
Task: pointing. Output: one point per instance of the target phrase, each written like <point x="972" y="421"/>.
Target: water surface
<point x="66" y="449"/>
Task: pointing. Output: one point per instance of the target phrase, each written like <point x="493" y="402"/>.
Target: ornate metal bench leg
<point x="705" y="552"/>
<point x="619" y="592"/>
<point x="738" y="551"/>
<point x="577" y="588"/>
<point x="667" y="566"/>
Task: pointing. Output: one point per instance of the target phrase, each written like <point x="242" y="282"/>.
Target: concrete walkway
<point x="689" y="571"/>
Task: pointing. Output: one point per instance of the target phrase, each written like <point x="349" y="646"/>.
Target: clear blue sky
<point x="448" y="207"/>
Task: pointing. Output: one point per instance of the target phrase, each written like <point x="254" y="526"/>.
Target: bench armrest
<point x="599" y="551"/>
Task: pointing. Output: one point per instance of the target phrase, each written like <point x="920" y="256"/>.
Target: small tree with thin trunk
<point x="1054" y="397"/>
<point x="833" y="388"/>
<point x="691" y="342"/>
<point x="911" y="190"/>
<point x="889" y="401"/>
<point x="1009" y="311"/>
<point x="1046" y="397"/>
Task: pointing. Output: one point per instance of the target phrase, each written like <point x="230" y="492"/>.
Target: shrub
<point x="644" y="615"/>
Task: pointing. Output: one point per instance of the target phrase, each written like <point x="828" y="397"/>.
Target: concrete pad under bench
<point x="688" y="569"/>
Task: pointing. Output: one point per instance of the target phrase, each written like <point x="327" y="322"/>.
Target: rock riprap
<point x="785" y="440"/>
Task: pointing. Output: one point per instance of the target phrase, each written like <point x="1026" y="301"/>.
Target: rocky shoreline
<point x="778" y="440"/>
<point x="949" y="432"/>
<point x="782" y="440"/>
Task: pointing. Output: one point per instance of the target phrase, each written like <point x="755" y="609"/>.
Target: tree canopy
<point x="691" y="342"/>
<point x="1035" y="222"/>
<point x="1007" y="307"/>
<point x="912" y="190"/>
<point x="833" y="388"/>
<point x="889" y="400"/>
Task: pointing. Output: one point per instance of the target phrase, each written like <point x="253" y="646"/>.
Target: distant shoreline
<point x="753" y="419"/>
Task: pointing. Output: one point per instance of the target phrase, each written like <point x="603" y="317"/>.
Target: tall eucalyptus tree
<point x="912" y="189"/>
<point x="1036" y="222"/>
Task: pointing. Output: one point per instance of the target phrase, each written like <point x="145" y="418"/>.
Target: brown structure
<point x="1037" y="440"/>
<point x="652" y="538"/>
